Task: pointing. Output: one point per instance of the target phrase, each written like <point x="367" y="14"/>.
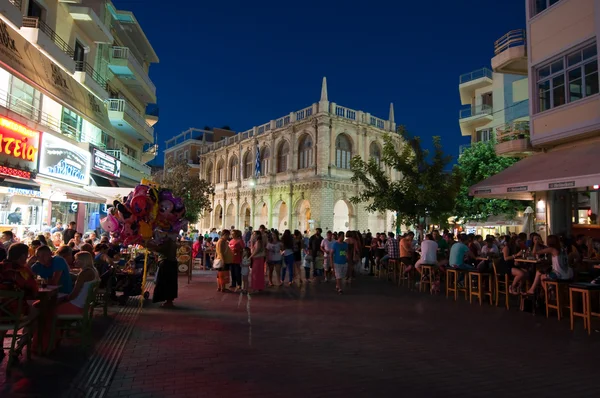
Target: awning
<point x="66" y="194"/>
<point x="103" y="182"/>
<point x="495" y="221"/>
<point x="19" y="183"/>
<point x="109" y="194"/>
<point x="562" y="168"/>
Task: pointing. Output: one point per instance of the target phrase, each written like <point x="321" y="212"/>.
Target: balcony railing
<point x="514" y="38"/>
<point x="129" y="161"/>
<point x="120" y="105"/>
<point x="475" y="111"/>
<point x="512" y="131"/>
<point x="124" y="53"/>
<point x="34" y="22"/>
<point x="16" y="3"/>
<point x="81" y="66"/>
<point x="476" y="74"/>
<point x="30" y="112"/>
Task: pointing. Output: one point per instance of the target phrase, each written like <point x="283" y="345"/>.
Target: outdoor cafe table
<point x="48" y="297"/>
<point x="531" y="264"/>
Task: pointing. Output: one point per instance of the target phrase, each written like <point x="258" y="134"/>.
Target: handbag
<point x="218" y="263"/>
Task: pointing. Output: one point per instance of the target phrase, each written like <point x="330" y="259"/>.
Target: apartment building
<point x="496" y="100"/>
<point x="563" y="175"/>
<point x="74" y="88"/>
<point x="293" y="172"/>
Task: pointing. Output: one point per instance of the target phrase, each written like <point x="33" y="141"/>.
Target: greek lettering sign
<point x="64" y="161"/>
<point x="522" y="188"/>
<point x="482" y="191"/>
<point x="106" y="164"/>
<point x="561" y="185"/>
<point x="25" y="192"/>
<point x="19" y="145"/>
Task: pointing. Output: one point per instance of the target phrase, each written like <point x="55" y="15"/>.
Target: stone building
<point x="304" y="178"/>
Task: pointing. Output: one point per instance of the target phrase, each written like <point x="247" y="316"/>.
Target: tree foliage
<point x="423" y="189"/>
<point x="476" y="164"/>
<point x="194" y="191"/>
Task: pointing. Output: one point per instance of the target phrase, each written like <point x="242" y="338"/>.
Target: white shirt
<point x="494" y="249"/>
<point x="326" y="245"/>
<point x="429" y="252"/>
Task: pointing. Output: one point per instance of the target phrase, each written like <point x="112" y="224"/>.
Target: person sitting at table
<point x="16" y="276"/>
<point x="510" y="251"/>
<point x="52" y="268"/>
<point x="102" y="261"/>
<point x="537" y="242"/>
<point x="490" y="249"/>
<point x="66" y="253"/>
<point x="76" y="242"/>
<point x="473" y="245"/>
<point x="429" y="248"/>
<point x="459" y="252"/>
<point x="33" y="246"/>
<point x="581" y="247"/>
<point x="560" y="264"/>
<point x="73" y="303"/>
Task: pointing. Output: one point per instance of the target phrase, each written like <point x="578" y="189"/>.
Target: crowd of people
<point x="337" y="256"/>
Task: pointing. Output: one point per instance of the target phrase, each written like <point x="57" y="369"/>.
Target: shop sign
<point x="19" y="146"/>
<point x="73" y="207"/>
<point x="25" y="192"/>
<point x="64" y="161"/>
<point x="522" y="188"/>
<point x="482" y="191"/>
<point x="561" y="185"/>
<point x="106" y="164"/>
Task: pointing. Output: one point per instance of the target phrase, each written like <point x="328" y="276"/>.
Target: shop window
<point x="71" y="124"/>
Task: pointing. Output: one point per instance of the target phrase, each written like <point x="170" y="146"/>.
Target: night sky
<point x="243" y="63"/>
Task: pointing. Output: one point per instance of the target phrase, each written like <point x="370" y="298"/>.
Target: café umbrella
<point x="528" y="226"/>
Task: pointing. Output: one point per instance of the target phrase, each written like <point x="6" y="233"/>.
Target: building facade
<point x="563" y="175"/>
<point x="74" y="88"/>
<point x="294" y="172"/>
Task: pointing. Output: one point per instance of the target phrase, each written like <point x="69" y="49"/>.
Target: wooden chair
<point x="480" y="291"/>
<point x="560" y="288"/>
<point x="14" y="325"/>
<point x="406" y="277"/>
<point x="427" y="276"/>
<point x="452" y="282"/>
<point x="585" y="290"/>
<point x="80" y="324"/>
<point x="392" y="266"/>
<point x="502" y="283"/>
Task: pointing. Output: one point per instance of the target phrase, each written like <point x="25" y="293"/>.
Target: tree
<point x="194" y="191"/>
<point x="424" y="189"/>
<point x="476" y="164"/>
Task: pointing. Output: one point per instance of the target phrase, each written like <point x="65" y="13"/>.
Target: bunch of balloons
<point x="145" y="215"/>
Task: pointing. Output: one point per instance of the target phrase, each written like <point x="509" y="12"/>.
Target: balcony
<point x="90" y="23"/>
<point x="511" y="53"/>
<point x="469" y="82"/>
<point x="149" y="153"/>
<point x="512" y="140"/>
<point x="47" y="41"/>
<point x="152" y="114"/>
<point x="88" y="77"/>
<point x="126" y="119"/>
<point x="131" y="167"/>
<point x="475" y="116"/>
<point x="124" y="65"/>
<point x="11" y="12"/>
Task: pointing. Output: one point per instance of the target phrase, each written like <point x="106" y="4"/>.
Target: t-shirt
<point x="442" y="244"/>
<point x="314" y="244"/>
<point x="494" y="249"/>
<point x="339" y="252"/>
<point x="237" y="247"/>
<point x="429" y="251"/>
<point x="58" y="265"/>
<point x="274" y="252"/>
<point x="457" y="253"/>
<point x="327" y="245"/>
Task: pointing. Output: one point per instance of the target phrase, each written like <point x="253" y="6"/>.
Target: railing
<point x="129" y="161"/>
<point x="514" y="38"/>
<point x="475" y="111"/>
<point x="28" y="111"/>
<point x="120" y="105"/>
<point x="16" y="3"/>
<point x="463" y="148"/>
<point x="375" y="121"/>
<point x="345" y="112"/>
<point x="82" y="66"/>
<point x="476" y="74"/>
<point x="264" y="128"/>
<point x="304" y="113"/>
<point x="512" y="131"/>
<point x="191" y="134"/>
<point x="34" y="22"/>
<point x="124" y="53"/>
<point x="282" y="121"/>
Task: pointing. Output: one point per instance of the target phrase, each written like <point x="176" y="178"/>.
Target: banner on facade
<point x="19" y="145"/>
<point x="25" y="59"/>
<point x="105" y="164"/>
<point x="64" y="161"/>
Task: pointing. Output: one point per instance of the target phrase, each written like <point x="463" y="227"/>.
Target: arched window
<point x="282" y="157"/>
<point x="305" y="152"/>
<point x="265" y="154"/>
<point x="233" y="169"/>
<point x="375" y="152"/>
<point x="343" y="151"/>
<point x="221" y="171"/>
<point x="209" y="173"/>
<point x="248" y="165"/>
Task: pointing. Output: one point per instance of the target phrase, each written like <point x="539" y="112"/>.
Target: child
<point x="245" y="268"/>
<point x="340" y="261"/>
<point x="307" y="263"/>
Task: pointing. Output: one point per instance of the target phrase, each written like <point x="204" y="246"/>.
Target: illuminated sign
<point x="561" y="185"/>
<point x="106" y="164"/>
<point x="25" y="192"/>
<point x="522" y="188"/>
<point x="64" y="161"/>
<point x="19" y="146"/>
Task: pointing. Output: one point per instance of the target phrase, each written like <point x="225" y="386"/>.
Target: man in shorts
<point x="340" y="261"/>
<point x="327" y="249"/>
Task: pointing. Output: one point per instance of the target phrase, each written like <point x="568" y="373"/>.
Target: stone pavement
<point x="376" y="340"/>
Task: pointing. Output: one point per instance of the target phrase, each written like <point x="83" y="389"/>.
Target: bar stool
<point x="560" y="286"/>
<point x="391" y="270"/>
<point x="452" y="282"/>
<point x="585" y="289"/>
<point x="406" y="277"/>
<point x="502" y="282"/>
<point x="427" y="276"/>
<point x="480" y="291"/>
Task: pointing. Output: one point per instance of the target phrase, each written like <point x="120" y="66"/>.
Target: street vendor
<point x="165" y="283"/>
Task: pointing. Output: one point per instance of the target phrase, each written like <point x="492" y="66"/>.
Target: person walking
<point x="288" y="257"/>
<point x="298" y="248"/>
<point x="258" y="262"/>
<point x="225" y="255"/>
<point x="340" y="261"/>
<point x="236" y="244"/>
<point x="274" y="258"/>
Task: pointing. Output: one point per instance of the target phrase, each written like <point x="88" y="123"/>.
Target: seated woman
<point x="73" y="303"/>
<point x="507" y="264"/>
<point x="102" y="262"/>
<point x="560" y="264"/>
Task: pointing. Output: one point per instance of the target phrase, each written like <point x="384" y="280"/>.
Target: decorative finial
<point x="324" y="90"/>
<point x="391" y="118"/>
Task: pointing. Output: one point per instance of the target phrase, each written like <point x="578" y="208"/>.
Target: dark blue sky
<point x="242" y="63"/>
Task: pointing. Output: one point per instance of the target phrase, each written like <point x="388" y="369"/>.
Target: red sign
<point x="8" y="171"/>
<point x="19" y="145"/>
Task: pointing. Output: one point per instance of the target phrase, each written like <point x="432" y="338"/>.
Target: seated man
<point x="459" y="251"/>
<point x="15" y="276"/>
<point x="488" y="250"/>
<point x="429" y="248"/>
<point x="52" y="268"/>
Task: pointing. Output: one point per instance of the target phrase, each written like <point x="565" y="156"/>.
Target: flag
<point x="257" y="163"/>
